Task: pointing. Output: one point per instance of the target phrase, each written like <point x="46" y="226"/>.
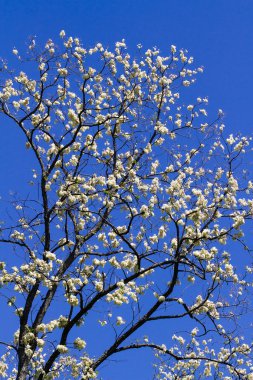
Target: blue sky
<point x="218" y="33"/>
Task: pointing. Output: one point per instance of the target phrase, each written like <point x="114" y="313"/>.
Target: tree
<point x="138" y="196"/>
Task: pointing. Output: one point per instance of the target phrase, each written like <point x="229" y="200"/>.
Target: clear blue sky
<point x="218" y="33"/>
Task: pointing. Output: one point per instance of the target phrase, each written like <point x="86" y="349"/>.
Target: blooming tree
<point x="138" y="221"/>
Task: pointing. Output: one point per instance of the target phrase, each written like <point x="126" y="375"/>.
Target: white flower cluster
<point x="136" y="194"/>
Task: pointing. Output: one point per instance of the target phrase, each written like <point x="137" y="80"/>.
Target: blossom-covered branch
<point x="137" y="196"/>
